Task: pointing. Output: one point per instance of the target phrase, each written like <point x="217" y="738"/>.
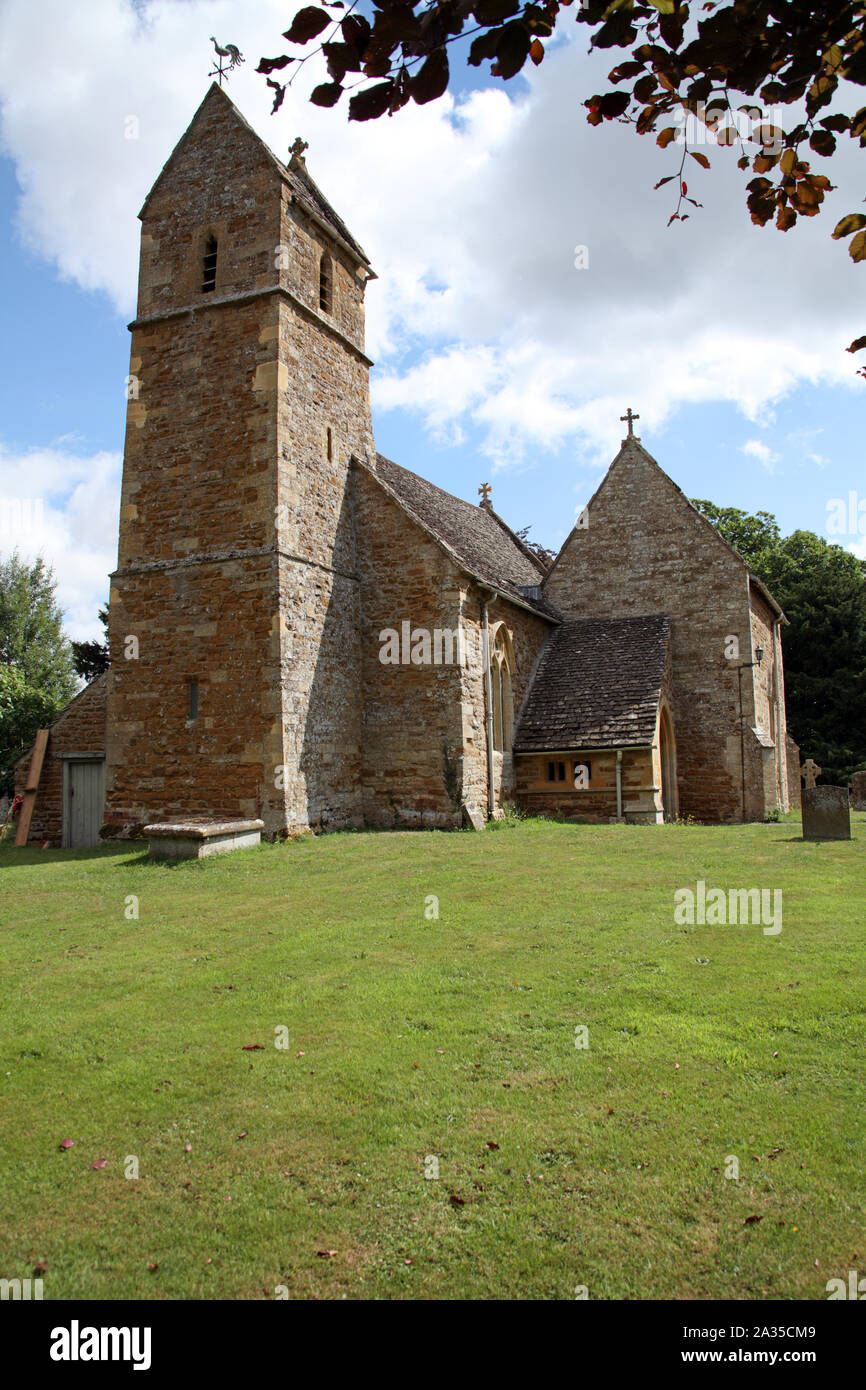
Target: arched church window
<point x="501" y="660"/>
<point x="209" y="265"/>
<point x="326" y="283"/>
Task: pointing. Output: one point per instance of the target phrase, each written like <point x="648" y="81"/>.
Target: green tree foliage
<point x="92" y="658"/>
<point x="675" y="60"/>
<point x="37" y="672"/>
<point x="822" y="589"/>
<point x="751" y="536"/>
<point x="23" y="710"/>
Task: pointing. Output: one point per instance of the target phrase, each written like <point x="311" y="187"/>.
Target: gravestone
<point x="858" y="791"/>
<point x="825" y="813"/>
<point x="199" y="839"/>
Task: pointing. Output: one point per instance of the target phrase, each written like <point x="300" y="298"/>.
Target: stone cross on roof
<point x="811" y="771"/>
<point x="630" y="416"/>
<point x="484" y="493"/>
<point x="296" y="150"/>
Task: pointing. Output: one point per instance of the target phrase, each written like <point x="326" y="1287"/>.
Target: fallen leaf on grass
<point x="457" y="1201"/>
<point x="750" y="1220"/>
<point x="244" y="1135"/>
<point x="153" y="1268"/>
<point x="253" y="1047"/>
<point x="327" y="1254"/>
<point x="66" y="1143"/>
<point x="491" y="1144"/>
<point x="99" y="1163"/>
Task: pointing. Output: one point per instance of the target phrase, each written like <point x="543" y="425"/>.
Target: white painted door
<point x="85" y="799"/>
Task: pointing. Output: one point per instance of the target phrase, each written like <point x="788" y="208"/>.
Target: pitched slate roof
<point x="598" y="685"/>
<point x="309" y="193"/>
<point x="477" y="539"/>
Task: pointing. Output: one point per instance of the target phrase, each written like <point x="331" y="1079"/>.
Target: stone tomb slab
<point x="825" y="813"/>
<point x="198" y="839"/>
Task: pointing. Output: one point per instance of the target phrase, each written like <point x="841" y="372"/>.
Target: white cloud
<point x="756" y="449"/>
<point x="65" y="507"/>
<point x="470" y="209"/>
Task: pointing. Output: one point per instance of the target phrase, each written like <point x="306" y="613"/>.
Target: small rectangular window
<point x="209" y="266"/>
<point x="192" y="700"/>
<point x="560" y="772"/>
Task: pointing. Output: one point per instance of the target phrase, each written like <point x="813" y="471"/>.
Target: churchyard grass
<point x="415" y="1042"/>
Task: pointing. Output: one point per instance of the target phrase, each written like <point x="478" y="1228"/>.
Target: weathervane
<point x="630" y="417"/>
<point x="232" y="52"/>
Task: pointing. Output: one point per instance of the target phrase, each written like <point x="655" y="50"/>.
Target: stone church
<point x="304" y="632"/>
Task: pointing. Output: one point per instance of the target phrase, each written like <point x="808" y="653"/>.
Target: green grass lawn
<point x="413" y="1039"/>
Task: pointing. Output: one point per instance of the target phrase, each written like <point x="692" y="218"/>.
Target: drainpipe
<point x="488" y="695"/>
<point x="619" y="784"/>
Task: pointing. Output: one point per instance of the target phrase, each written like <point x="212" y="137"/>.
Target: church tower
<point x="234" y="688"/>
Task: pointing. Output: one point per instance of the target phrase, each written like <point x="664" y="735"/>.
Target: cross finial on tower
<point x="484" y="493"/>
<point x="630" y="417"/>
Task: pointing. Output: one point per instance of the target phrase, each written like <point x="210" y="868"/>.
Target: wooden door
<point x="85" y="798"/>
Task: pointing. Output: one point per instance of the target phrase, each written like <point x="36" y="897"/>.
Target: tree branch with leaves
<point x="684" y="61"/>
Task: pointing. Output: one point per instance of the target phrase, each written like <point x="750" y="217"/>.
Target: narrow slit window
<point x="326" y="287"/>
<point x="192" y="700"/>
<point x="330" y="446"/>
<point x="209" y="265"/>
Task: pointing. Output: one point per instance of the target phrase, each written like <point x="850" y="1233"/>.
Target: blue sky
<point x="496" y="358"/>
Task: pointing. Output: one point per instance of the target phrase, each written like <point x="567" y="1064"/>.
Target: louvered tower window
<point x="209" y="266"/>
<point x="326" y="287"/>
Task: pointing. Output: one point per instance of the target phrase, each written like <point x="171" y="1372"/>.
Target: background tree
<point x="92" y="658"/>
<point x="822" y="589"/>
<point x="682" y="60"/>
<point x="546" y="556"/>
<point x="37" y="671"/>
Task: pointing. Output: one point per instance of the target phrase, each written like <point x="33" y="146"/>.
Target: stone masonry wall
<point x="412" y="737"/>
<point x="597" y="802"/>
<point x="646" y="550"/>
<point x="80" y="728"/>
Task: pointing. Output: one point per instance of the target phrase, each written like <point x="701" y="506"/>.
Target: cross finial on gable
<point x="630" y="417"/>
<point x="484" y="493"/>
<point x="296" y="150"/>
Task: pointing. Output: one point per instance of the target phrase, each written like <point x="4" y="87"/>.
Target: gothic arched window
<point x="501" y="664"/>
